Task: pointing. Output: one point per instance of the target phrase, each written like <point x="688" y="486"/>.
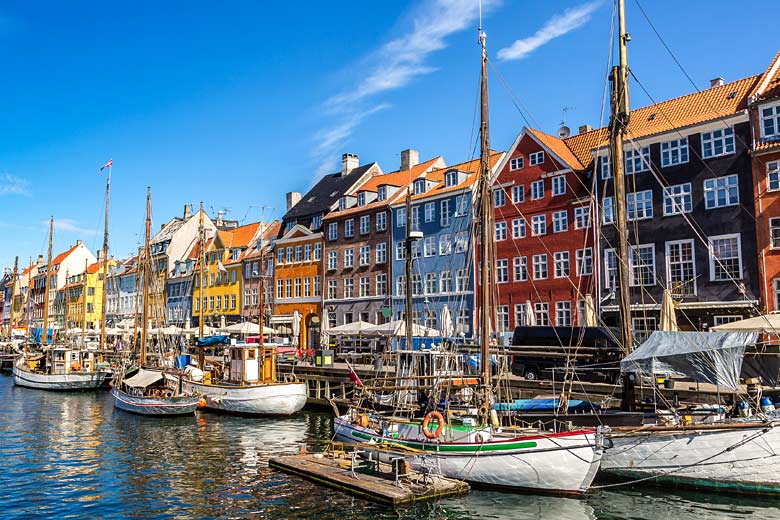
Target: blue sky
<point x="236" y="103"/>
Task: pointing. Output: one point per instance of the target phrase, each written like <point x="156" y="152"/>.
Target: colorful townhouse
<point x="179" y="291"/>
<point x="258" y="271"/>
<point x="85" y="289"/>
<point x="15" y="301"/>
<point x="443" y="259"/>
<point x="298" y="272"/>
<point x="358" y="245"/>
<point x="764" y="106"/>
<point x="543" y="234"/>
<point x="122" y="293"/>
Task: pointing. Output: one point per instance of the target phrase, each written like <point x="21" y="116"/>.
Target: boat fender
<point x="439" y="428"/>
<point x="494" y="419"/>
<point x="362" y="420"/>
<point x="481" y="437"/>
<point x="202" y="402"/>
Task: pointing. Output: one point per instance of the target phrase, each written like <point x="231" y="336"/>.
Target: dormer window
<point x="770" y="122"/>
<point x="316" y="222"/>
<point x="450" y="178"/>
<point x="419" y="186"/>
<point x="361" y="198"/>
<point x="381" y="193"/>
<point x="342" y="203"/>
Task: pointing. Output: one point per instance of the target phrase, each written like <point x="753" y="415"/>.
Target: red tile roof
<point x="62" y="256"/>
<point x="769" y="85"/>
<point x="470" y="167"/>
<point x="558" y="147"/>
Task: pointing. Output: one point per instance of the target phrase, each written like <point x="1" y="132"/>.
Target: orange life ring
<point x="362" y="420"/>
<point x="440" y="428"/>
<point x="202" y="402"/>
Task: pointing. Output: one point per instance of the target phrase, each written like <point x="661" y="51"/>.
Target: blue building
<point x="179" y="287"/>
<point x="122" y="293"/>
<point x="443" y="266"/>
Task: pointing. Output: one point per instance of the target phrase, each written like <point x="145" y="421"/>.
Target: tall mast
<point x="105" y="264"/>
<point x="261" y="288"/>
<point x="146" y="276"/>
<point x="408" y="269"/>
<point x="13" y="291"/>
<point x="67" y="275"/>
<point x="47" y="286"/>
<point x="84" y="305"/>
<point x="202" y="262"/>
<point x="29" y="300"/>
<point x="485" y="232"/>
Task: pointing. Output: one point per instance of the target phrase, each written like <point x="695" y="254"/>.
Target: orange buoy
<point x="439" y="428"/>
<point x="202" y="402"/>
<point x="362" y="420"/>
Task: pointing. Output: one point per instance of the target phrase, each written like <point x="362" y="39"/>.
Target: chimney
<point x="409" y="158"/>
<point x="349" y="161"/>
<point x="293" y="198"/>
<point x="39" y="262"/>
<point x="584" y="128"/>
<point x="219" y="222"/>
<point x="100" y="256"/>
<point x="187" y="211"/>
<point x="716" y="82"/>
<point x="79" y="242"/>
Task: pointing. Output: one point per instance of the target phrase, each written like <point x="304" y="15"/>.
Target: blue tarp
<point x="38" y="335"/>
<point x="213" y="341"/>
<point x="543" y="405"/>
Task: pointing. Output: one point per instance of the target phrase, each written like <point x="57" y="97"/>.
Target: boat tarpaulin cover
<point x="143" y="378"/>
<point x="709" y="357"/>
<point x="212" y="341"/>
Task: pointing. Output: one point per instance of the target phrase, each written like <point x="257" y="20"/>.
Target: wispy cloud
<point x="396" y="64"/>
<point x="68" y="225"/>
<point x="13" y="185"/>
<point x="555" y="27"/>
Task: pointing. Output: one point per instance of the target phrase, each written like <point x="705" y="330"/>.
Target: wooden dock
<point x="388" y="483"/>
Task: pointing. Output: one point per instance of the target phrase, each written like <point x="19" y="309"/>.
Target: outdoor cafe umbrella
<point x="351" y="329"/>
<point x="296" y="326"/>
<point x="446" y="322"/>
<point x="530" y="317"/>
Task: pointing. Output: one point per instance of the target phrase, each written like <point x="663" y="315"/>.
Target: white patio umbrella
<point x="530" y="316"/>
<point x="767" y="324"/>
<point x="325" y="330"/>
<point x="590" y="312"/>
<point x="446" y="322"/>
<point x="349" y="329"/>
<point x="668" y="317"/>
<point x="170" y="330"/>
<point x="246" y="327"/>
<point x="207" y="331"/>
<point x="398" y="328"/>
<point x="296" y="326"/>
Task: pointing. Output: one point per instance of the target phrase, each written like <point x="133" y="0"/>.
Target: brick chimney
<point x="187" y="211"/>
<point x="293" y="198"/>
<point x="219" y="223"/>
<point x="39" y="262"/>
<point x="100" y="255"/>
<point x="349" y="161"/>
<point x="584" y="128"/>
<point x="716" y="82"/>
<point x="409" y="158"/>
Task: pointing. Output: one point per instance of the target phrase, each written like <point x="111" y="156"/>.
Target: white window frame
<point x="537" y="190"/>
<point x="688" y="284"/>
<point x="516" y="163"/>
<point x="536" y="158"/>
<point x="717" y="184"/>
<point x="502" y="270"/>
<point x="584" y="258"/>
<point x="712" y="256"/>
<point x="520" y="269"/>
<point x="561" y="264"/>
<point x="674" y="152"/>
<point x="537" y="261"/>
<point x="430" y="211"/>
<point x="605" y="168"/>
<point x="365" y="224"/>
<point x="582" y="217"/>
<point x="561" y="308"/>
<point x="631" y="200"/>
<point x="333" y="231"/>
<point x="518" y="194"/>
<point x="724" y="136"/>
<point x="634" y="269"/>
<point x="773" y="176"/>
<point x="774" y="233"/>
<point x="499" y="197"/>
<point x="400" y="217"/>
<point x="518" y="227"/>
<point x="444" y="213"/>
<point x="773" y="118"/>
<point x="380" y="253"/>
<point x="445" y="244"/>
<point x="637" y="160"/>
<point x="560" y="221"/>
<point x="678" y="199"/>
<point x="608" y="210"/>
<point x="429" y="246"/>
<point x="381" y="221"/>
<point x="558" y="185"/>
<point x="501" y="231"/>
<point x="365" y="255"/>
<point x="541" y="222"/>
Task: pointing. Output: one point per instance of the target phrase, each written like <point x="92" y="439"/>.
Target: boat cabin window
<point x="251" y="354"/>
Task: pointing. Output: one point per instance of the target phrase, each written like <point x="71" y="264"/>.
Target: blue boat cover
<point x="213" y="341"/>
<point x="543" y="405"/>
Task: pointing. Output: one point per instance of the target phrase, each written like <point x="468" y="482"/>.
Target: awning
<point x="143" y="378"/>
<point x="767" y="324"/>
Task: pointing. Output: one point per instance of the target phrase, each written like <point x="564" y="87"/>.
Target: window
<point x="430" y="211"/>
<point x="518" y="194"/>
<point x="776" y="287"/>
<point x="519" y="315"/>
<point x="502" y="270"/>
<point x="333" y="231"/>
<point x="400" y="250"/>
<point x="584" y="261"/>
<point x="349" y="288"/>
<point x="298" y="253"/>
<point x="400" y="285"/>
<point x="515" y="163"/>
<point x="608" y="209"/>
<point x="307" y="287"/>
<point x="610" y="269"/>
<point x="306" y="253"/>
<point x="461" y="280"/>
<point x="536" y="158"/>
<point x="774" y="232"/>
<point x="349" y="258"/>
<point x="381" y="193"/>
<point x="641" y="261"/>
<point x="563" y="314"/>
<point x="416" y="249"/>
<point x="316" y="222"/>
<point x="637" y="160"/>
<point x="365" y="255"/>
<point x="518" y="228"/>
<point x="717" y="142"/>
<point x="444" y="213"/>
<point x="640" y="205"/>
<point x="349" y="228"/>
<point x="342" y="203"/>
<point x="431" y="283"/>
<point x="332" y="289"/>
<point x="502" y="316"/>
<point x="722" y="320"/>
<point x="429" y="246"/>
<point x="416" y="218"/>
<point x="643" y="327"/>
<point x="365" y="286"/>
<point x="674" y="152"/>
<point x="279" y="289"/>
<point x="538" y="225"/>
<point x="461" y="241"/>
<point x="381" y="284"/>
<point x="542" y="313"/>
<point x="606" y="171"/>
<point x="280" y="256"/>
<point x="316" y="286"/>
<point x="582" y="217"/>
<point x="681" y="268"/>
<point x="721" y="192"/>
<point x="559" y="185"/>
<point x="317" y="251"/>
<point x="445" y="244"/>
<point x="725" y="258"/>
<point x="381" y="253"/>
<point x="288" y="287"/>
<point x="540" y="267"/>
<point x="520" y="268"/>
<point x="450" y="178"/>
<point x="463" y="323"/>
<point x="419" y="186"/>
<point x="381" y="221"/>
<point x="365" y="224"/>
<point x="561" y="264"/>
<point x="289" y="255"/>
<point x="417" y="285"/>
<point x="499" y="197"/>
<point x="773" y="175"/>
<point x="770" y="121"/>
<point x="430" y="318"/>
<point x="677" y="199"/>
<point x="297" y="287"/>
<point x="445" y="282"/>
<point x="361" y="198"/>
<point x="333" y="258"/>
<point x="400" y="217"/>
<point x="537" y="190"/>
<point x="462" y="205"/>
<point x="560" y="221"/>
<point x="500" y="231"/>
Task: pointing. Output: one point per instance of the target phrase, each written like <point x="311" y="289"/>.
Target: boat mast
<point x="47" y="287"/>
<point x="29" y="300"/>
<point x="261" y="288"/>
<point x="485" y="235"/>
<point x="202" y="262"/>
<point x="13" y="291"/>
<point x="105" y="265"/>
<point x="146" y="277"/>
<point x="408" y="270"/>
<point x="67" y="276"/>
<point x="84" y="305"/>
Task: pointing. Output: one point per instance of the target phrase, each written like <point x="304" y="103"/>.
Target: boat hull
<point x="739" y="459"/>
<point x="156" y="406"/>
<point x="57" y="382"/>
<point x="562" y="463"/>
<point x="265" y="399"/>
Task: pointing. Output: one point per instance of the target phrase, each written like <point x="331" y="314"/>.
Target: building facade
<point x="258" y="275"/>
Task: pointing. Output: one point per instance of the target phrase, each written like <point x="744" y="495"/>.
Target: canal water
<point x="75" y="456"/>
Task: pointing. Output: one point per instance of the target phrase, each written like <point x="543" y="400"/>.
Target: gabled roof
<point x="62" y="256"/>
<point x="264" y="237"/>
<point x="168" y="230"/>
<point x="558" y="147"/>
<point x="321" y="197"/>
<point x="400" y="178"/>
<point x="241" y="236"/>
<point x="469" y="167"/>
<point x="768" y="86"/>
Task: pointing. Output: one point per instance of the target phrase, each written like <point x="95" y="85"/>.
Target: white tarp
<point x="143" y="378"/>
<point x="709" y="357"/>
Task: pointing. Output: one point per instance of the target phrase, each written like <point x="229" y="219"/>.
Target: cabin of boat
<point x="245" y="364"/>
<point x="150" y="383"/>
<point x="63" y="360"/>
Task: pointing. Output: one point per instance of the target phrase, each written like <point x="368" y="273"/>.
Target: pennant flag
<point x="353" y="375"/>
<point x="109" y="164"/>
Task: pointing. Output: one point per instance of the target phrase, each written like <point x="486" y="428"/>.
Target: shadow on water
<point x="74" y="456"/>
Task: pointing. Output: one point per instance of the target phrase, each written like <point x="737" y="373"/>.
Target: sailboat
<point x="152" y="391"/>
<point x="248" y="383"/>
<point x="471" y="443"/>
<point x="60" y="367"/>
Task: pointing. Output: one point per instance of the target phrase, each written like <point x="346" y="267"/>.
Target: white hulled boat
<point x="58" y="368"/>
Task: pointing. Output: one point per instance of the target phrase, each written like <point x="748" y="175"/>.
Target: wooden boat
<point x="58" y="368"/>
<point x="153" y="392"/>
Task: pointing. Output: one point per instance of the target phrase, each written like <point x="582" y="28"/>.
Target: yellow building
<point x="86" y="288"/>
<point x="221" y="279"/>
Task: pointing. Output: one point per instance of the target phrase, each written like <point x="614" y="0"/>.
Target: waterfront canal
<point x="75" y="456"/>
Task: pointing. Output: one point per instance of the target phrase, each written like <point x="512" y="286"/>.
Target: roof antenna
<point x="564" y="131"/>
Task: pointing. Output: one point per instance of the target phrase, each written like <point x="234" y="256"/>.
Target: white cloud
<point x="68" y="225"/>
<point x="555" y="27"/>
<point x="13" y="185"/>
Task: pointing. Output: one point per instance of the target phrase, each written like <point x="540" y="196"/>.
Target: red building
<point x="544" y="237"/>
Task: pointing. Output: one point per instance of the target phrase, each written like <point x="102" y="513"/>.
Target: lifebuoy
<point x="362" y="420"/>
<point x="439" y="428"/>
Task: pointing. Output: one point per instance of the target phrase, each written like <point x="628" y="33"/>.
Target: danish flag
<point x="109" y="164"/>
